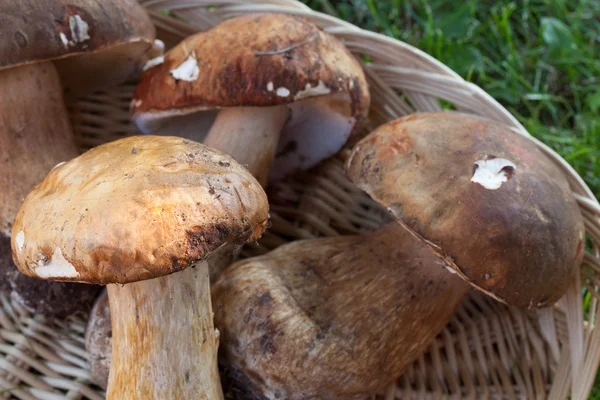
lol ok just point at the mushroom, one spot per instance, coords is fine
(143, 215)
(98, 340)
(46, 47)
(91, 43)
(331, 318)
(483, 197)
(286, 93)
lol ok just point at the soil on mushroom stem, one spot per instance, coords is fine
(6, 262)
(49, 298)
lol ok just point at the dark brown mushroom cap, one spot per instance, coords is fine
(135, 209)
(331, 318)
(485, 198)
(43, 30)
(257, 61)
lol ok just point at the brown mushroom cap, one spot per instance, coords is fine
(135, 209)
(98, 340)
(259, 61)
(88, 39)
(331, 318)
(482, 196)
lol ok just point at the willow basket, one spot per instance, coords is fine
(487, 351)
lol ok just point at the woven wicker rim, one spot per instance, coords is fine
(487, 350)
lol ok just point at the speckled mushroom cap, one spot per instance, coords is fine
(484, 197)
(135, 209)
(100, 33)
(256, 61)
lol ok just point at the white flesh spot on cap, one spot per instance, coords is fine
(153, 62)
(79, 29)
(491, 174)
(187, 70)
(283, 92)
(59, 164)
(64, 40)
(20, 240)
(270, 86)
(310, 91)
(57, 267)
(158, 47)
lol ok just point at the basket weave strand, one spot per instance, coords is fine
(487, 350)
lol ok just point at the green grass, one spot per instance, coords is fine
(539, 58)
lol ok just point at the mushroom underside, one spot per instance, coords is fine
(317, 129)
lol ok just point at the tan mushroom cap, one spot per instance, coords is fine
(136, 209)
(482, 196)
(257, 61)
(100, 33)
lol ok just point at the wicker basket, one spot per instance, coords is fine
(487, 351)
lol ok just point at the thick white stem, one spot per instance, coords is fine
(164, 341)
(250, 135)
(35, 133)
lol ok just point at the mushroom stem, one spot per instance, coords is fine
(35, 133)
(164, 341)
(250, 135)
(332, 318)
